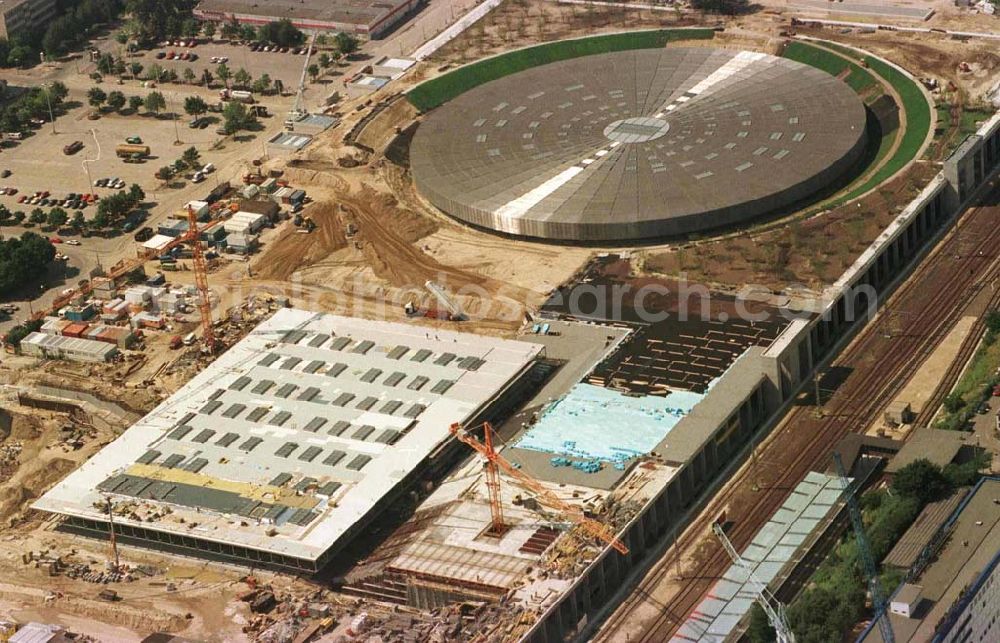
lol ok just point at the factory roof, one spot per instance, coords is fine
(297, 432)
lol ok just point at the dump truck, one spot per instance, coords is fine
(237, 95)
(126, 150)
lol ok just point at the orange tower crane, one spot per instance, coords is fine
(495, 462)
(193, 235)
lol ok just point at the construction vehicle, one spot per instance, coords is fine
(260, 111)
(237, 95)
(455, 312)
(774, 609)
(126, 150)
(496, 462)
(297, 113)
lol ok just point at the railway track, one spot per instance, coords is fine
(932, 300)
(955, 369)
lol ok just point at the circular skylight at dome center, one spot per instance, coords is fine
(636, 130)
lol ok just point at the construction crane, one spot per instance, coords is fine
(296, 112)
(496, 462)
(191, 236)
(774, 609)
(454, 310)
(879, 602)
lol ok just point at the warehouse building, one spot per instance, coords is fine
(364, 18)
(70, 348)
(294, 440)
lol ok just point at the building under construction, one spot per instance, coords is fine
(287, 446)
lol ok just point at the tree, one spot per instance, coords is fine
(209, 30)
(165, 172)
(77, 222)
(135, 69)
(921, 479)
(57, 217)
(727, 7)
(136, 193)
(346, 43)
(135, 103)
(58, 92)
(760, 630)
(106, 64)
(262, 85)
(18, 216)
(953, 403)
(247, 32)
(325, 60)
(231, 30)
(313, 71)
(189, 75)
(155, 102)
(236, 117)
(191, 158)
(206, 77)
(116, 100)
(195, 105)
(155, 72)
(96, 97)
(282, 33)
(242, 78)
(222, 71)
(37, 216)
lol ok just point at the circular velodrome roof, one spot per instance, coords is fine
(638, 144)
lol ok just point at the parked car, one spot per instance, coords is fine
(160, 55)
(5, 174)
(73, 242)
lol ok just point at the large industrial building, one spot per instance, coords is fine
(365, 18)
(287, 446)
(639, 144)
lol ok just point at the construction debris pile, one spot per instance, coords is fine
(57, 565)
(10, 458)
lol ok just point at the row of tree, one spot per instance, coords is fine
(154, 102)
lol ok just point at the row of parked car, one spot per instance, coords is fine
(261, 46)
(72, 201)
(173, 55)
(111, 183)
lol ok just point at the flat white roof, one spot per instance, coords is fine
(353, 405)
(157, 241)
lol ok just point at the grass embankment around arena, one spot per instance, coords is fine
(862, 71)
(440, 90)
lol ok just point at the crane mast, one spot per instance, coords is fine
(879, 602)
(589, 526)
(201, 282)
(774, 609)
(297, 112)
